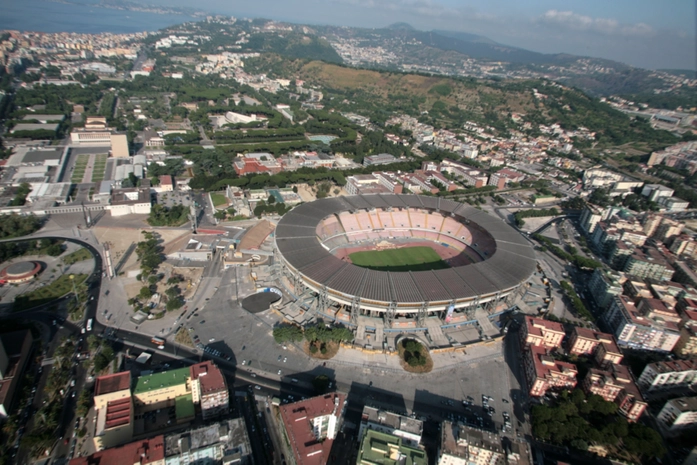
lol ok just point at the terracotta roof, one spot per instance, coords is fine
(166, 179)
(210, 377)
(118, 412)
(112, 383)
(136, 453)
(297, 419)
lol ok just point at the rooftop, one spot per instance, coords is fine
(209, 376)
(386, 449)
(136, 453)
(297, 420)
(394, 420)
(112, 383)
(162, 380)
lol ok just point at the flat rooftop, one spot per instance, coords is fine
(162, 380)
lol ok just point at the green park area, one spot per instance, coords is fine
(404, 259)
(80, 168)
(43, 295)
(79, 255)
(218, 199)
(99, 167)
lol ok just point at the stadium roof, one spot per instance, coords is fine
(511, 263)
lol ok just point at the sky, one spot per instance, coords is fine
(645, 33)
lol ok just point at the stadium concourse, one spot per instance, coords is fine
(488, 262)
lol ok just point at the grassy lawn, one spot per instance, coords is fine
(218, 199)
(405, 259)
(56, 289)
(77, 256)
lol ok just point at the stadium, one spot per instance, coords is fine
(480, 264)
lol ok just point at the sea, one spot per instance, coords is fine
(86, 17)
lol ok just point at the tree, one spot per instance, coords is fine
(145, 293)
(174, 304)
(287, 333)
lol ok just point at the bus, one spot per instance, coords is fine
(159, 342)
(89, 325)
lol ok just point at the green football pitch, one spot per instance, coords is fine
(405, 259)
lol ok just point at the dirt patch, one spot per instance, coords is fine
(119, 239)
(332, 348)
(183, 337)
(305, 192)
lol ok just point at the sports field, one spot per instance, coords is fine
(404, 259)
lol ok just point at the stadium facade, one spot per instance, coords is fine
(308, 238)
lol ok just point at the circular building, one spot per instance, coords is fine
(20, 272)
(486, 260)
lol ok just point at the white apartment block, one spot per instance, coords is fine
(678, 415)
(667, 376)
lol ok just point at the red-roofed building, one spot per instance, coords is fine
(145, 452)
(208, 387)
(585, 341)
(166, 183)
(113, 407)
(539, 332)
(311, 426)
(112, 383)
(247, 165)
(616, 384)
(543, 372)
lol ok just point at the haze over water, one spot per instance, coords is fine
(45, 16)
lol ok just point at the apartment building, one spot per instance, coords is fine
(144, 452)
(543, 372)
(678, 415)
(670, 376)
(408, 429)
(311, 426)
(209, 390)
(615, 383)
(378, 447)
(590, 217)
(648, 264)
(462, 445)
(541, 333)
(585, 341)
(640, 331)
(604, 285)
